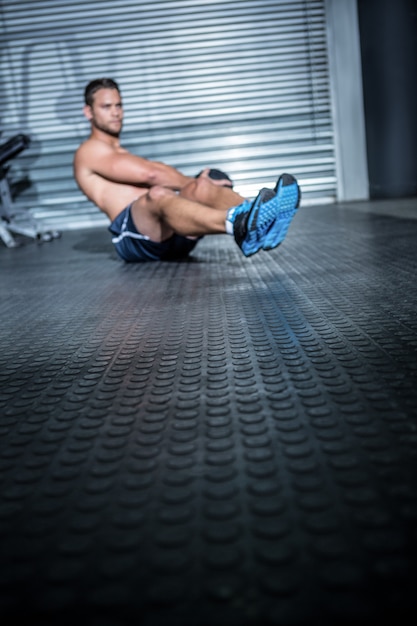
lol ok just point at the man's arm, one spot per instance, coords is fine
(124, 167)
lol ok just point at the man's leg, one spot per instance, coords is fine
(262, 223)
(160, 213)
(211, 192)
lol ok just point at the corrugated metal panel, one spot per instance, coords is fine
(240, 85)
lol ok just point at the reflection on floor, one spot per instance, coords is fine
(221, 441)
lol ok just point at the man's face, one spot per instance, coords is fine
(106, 114)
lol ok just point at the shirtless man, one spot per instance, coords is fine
(158, 213)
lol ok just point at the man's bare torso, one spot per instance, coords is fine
(110, 196)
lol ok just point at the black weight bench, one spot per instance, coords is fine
(12, 220)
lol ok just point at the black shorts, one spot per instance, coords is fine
(133, 247)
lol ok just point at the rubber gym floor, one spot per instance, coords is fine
(221, 441)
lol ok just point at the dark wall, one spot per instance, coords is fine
(388, 35)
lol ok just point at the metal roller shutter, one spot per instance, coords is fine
(241, 85)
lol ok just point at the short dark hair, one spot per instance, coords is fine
(95, 85)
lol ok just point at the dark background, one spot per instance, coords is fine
(388, 35)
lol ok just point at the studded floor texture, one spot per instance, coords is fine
(223, 441)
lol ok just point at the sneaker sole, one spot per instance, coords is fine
(288, 195)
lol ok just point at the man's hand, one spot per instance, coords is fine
(216, 177)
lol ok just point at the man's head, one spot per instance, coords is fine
(103, 106)
(96, 84)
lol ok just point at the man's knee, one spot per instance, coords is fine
(158, 194)
(196, 190)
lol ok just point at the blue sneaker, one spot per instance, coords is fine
(288, 197)
(252, 222)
